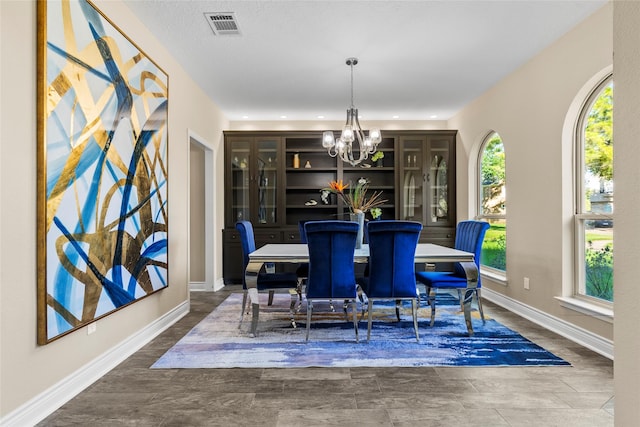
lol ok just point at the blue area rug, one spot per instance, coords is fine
(218, 342)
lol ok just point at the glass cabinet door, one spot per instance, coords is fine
(240, 158)
(411, 179)
(438, 183)
(266, 181)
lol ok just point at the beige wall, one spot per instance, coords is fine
(626, 128)
(196, 215)
(528, 110)
(27, 369)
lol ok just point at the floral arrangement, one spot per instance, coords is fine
(376, 213)
(356, 197)
(378, 155)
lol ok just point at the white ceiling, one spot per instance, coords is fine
(417, 59)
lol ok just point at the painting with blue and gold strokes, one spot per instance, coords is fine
(102, 169)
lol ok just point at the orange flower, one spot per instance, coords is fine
(356, 198)
(337, 186)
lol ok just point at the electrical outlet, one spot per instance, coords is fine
(91, 328)
(526, 283)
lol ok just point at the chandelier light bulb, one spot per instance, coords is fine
(328, 140)
(375, 135)
(347, 134)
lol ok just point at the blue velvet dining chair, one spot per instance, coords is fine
(331, 276)
(392, 248)
(469, 238)
(267, 282)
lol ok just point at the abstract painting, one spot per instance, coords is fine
(102, 169)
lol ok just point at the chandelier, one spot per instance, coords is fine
(352, 131)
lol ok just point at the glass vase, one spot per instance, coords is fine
(359, 218)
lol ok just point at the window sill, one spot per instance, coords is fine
(585, 307)
(495, 277)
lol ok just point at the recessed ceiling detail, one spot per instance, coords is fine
(223, 23)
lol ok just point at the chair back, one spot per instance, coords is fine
(303, 233)
(469, 238)
(331, 248)
(392, 249)
(247, 241)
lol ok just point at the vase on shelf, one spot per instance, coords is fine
(359, 218)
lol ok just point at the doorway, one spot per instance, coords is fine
(201, 215)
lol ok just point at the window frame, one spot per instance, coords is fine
(494, 273)
(581, 216)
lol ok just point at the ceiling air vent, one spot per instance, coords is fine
(223, 23)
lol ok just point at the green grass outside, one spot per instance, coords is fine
(494, 247)
(592, 237)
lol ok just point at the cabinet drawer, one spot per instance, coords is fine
(263, 237)
(230, 235)
(291, 236)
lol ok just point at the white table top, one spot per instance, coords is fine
(299, 252)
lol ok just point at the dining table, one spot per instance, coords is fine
(299, 253)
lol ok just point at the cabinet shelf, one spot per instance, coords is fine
(371, 169)
(318, 206)
(298, 188)
(311, 169)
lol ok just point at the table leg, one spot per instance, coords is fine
(251, 281)
(471, 271)
(468, 296)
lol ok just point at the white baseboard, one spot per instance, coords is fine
(219, 284)
(202, 286)
(561, 327)
(197, 286)
(44, 404)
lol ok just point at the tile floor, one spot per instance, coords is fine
(133, 395)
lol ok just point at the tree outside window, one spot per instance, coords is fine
(492, 200)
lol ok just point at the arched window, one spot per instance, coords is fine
(594, 196)
(492, 203)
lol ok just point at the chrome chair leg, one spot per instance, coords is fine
(270, 302)
(431, 299)
(480, 306)
(309, 310)
(414, 310)
(292, 307)
(354, 309)
(370, 310)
